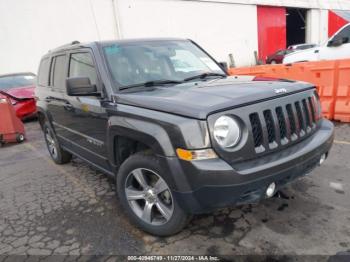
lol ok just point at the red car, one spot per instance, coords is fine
(19, 88)
(277, 57)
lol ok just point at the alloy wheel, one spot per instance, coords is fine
(51, 144)
(149, 196)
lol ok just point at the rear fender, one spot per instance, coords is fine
(46, 115)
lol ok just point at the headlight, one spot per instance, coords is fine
(227, 132)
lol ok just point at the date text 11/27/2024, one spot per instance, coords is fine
(173, 258)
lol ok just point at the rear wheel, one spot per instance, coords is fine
(57, 154)
(147, 197)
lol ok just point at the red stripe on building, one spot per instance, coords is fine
(335, 22)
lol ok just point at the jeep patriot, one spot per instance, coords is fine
(178, 134)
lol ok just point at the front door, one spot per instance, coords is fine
(337, 52)
(85, 118)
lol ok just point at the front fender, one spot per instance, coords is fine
(162, 132)
(155, 137)
(150, 134)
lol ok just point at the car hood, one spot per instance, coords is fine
(199, 99)
(22, 92)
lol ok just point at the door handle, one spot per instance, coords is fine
(316, 51)
(48, 99)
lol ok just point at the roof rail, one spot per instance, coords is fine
(75, 42)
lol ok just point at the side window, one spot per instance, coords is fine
(345, 33)
(43, 74)
(82, 65)
(59, 74)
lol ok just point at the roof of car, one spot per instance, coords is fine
(77, 44)
(135, 40)
(17, 74)
(300, 45)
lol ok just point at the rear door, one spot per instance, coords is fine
(55, 96)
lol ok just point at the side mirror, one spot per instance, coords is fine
(224, 66)
(81, 86)
(338, 41)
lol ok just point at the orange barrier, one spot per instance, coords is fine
(342, 103)
(332, 79)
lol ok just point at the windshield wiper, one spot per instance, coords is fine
(153, 83)
(204, 75)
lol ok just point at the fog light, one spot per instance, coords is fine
(323, 158)
(270, 191)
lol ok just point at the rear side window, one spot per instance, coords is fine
(59, 72)
(44, 68)
(82, 65)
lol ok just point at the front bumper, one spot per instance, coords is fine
(202, 186)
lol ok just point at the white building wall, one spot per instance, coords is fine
(29, 28)
(317, 26)
(315, 4)
(219, 28)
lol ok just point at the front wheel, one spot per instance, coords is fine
(147, 197)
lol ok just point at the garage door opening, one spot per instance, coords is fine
(296, 26)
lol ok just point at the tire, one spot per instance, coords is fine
(58, 155)
(20, 138)
(273, 62)
(172, 220)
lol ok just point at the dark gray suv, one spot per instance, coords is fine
(178, 134)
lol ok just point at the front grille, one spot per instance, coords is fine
(293, 127)
(312, 109)
(307, 113)
(256, 128)
(301, 119)
(270, 125)
(283, 124)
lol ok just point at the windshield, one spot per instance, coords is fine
(12, 81)
(141, 62)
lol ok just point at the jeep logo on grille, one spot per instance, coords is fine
(280, 90)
